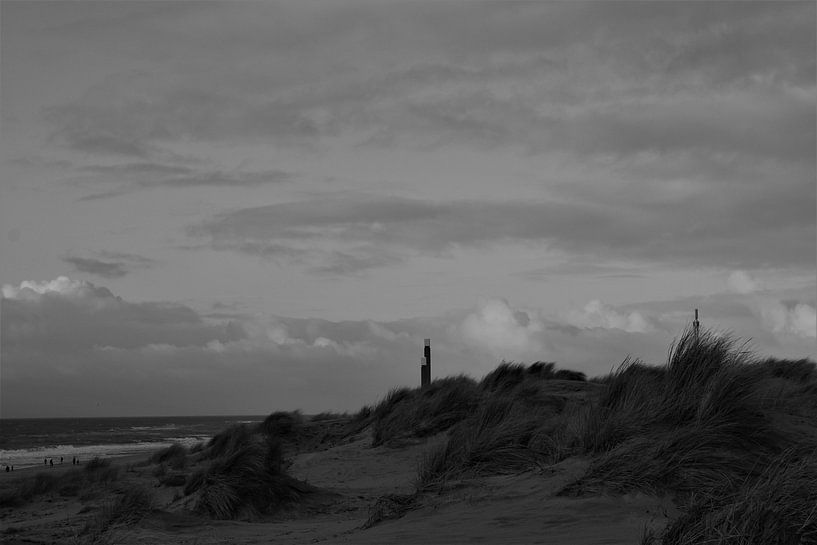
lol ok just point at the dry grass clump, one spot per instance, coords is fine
(802, 371)
(732, 437)
(512, 429)
(174, 456)
(282, 424)
(134, 504)
(422, 412)
(245, 482)
(497, 438)
(228, 441)
(722, 431)
(390, 506)
(700, 423)
(777, 508)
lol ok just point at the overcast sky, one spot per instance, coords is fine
(241, 207)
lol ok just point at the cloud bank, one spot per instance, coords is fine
(68, 345)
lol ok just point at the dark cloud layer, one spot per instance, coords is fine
(113, 264)
(699, 233)
(588, 77)
(97, 267)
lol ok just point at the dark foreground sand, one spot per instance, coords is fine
(503, 509)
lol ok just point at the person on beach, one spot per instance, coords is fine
(60, 459)
(52, 462)
(7, 469)
(45, 461)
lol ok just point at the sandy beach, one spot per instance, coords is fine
(352, 477)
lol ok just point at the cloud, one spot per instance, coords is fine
(97, 267)
(148, 175)
(62, 285)
(146, 167)
(506, 332)
(117, 265)
(797, 319)
(76, 315)
(69, 344)
(377, 231)
(525, 77)
(596, 314)
(742, 282)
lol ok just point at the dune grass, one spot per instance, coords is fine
(132, 505)
(703, 422)
(730, 436)
(408, 413)
(421, 412)
(777, 508)
(68, 483)
(174, 456)
(245, 482)
(716, 428)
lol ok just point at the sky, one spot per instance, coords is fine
(242, 207)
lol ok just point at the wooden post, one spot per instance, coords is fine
(425, 366)
(696, 325)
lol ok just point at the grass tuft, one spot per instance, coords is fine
(423, 412)
(175, 456)
(245, 482)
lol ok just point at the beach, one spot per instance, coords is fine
(352, 477)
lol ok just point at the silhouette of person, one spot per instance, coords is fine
(8, 469)
(45, 461)
(60, 459)
(52, 462)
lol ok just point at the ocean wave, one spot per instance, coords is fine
(164, 427)
(30, 457)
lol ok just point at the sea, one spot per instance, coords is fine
(29, 442)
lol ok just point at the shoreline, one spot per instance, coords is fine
(60, 469)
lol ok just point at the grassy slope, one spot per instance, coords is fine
(732, 438)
